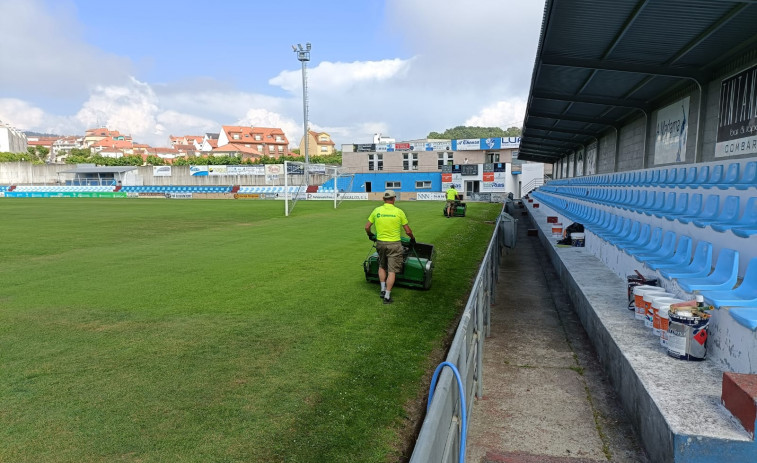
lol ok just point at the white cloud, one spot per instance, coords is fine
(131, 110)
(504, 114)
(20, 114)
(43, 53)
(328, 77)
(265, 118)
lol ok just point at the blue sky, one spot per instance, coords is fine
(154, 69)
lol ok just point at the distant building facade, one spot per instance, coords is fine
(473, 166)
(12, 140)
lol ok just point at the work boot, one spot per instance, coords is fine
(388, 300)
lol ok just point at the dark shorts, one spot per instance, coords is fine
(390, 255)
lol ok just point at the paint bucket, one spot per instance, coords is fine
(556, 229)
(637, 280)
(578, 239)
(647, 298)
(687, 334)
(638, 299)
(658, 302)
(551, 219)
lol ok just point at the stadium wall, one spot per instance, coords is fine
(26, 173)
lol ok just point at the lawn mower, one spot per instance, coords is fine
(417, 265)
(458, 207)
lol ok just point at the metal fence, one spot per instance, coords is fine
(440, 436)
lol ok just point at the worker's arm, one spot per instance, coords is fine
(409, 232)
(368, 231)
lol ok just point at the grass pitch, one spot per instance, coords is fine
(198, 331)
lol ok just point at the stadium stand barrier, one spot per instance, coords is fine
(440, 437)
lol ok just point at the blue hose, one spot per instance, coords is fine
(463, 411)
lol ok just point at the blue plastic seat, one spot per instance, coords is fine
(682, 200)
(703, 174)
(716, 176)
(747, 220)
(654, 179)
(667, 205)
(730, 178)
(729, 213)
(700, 265)
(692, 208)
(744, 232)
(622, 227)
(659, 203)
(709, 210)
(653, 198)
(676, 176)
(746, 316)
(652, 243)
(666, 257)
(689, 179)
(631, 236)
(749, 177)
(725, 275)
(638, 238)
(612, 225)
(745, 295)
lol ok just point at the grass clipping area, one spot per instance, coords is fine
(182, 331)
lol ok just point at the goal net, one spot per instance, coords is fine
(341, 181)
(294, 184)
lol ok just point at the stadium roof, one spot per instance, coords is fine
(97, 170)
(600, 64)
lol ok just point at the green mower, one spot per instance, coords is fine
(417, 265)
(458, 207)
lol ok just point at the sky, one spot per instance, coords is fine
(152, 69)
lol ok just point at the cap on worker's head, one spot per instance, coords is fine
(389, 194)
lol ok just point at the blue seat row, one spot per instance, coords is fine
(176, 189)
(658, 251)
(681, 206)
(715, 176)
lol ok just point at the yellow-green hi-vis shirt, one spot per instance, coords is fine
(451, 194)
(388, 220)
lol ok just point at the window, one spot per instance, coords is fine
(376, 161)
(492, 157)
(324, 149)
(423, 185)
(281, 149)
(323, 138)
(235, 136)
(257, 137)
(444, 160)
(271, 148)
(278, 138)
(260, 148)
(410, 161)
(393, 185)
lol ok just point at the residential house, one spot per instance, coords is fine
(263, 140)
(319, 144)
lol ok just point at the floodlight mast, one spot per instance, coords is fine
(303, 54)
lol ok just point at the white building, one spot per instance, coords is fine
(11, 139)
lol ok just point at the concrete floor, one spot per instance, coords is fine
(546, 397)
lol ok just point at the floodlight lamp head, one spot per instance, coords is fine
(294, 48)
(299, 45)
(307, 45)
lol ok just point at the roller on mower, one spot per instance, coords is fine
(458, 207)
(417, 265)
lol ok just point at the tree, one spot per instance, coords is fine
(461, 132)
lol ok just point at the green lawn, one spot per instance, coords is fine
(172, 331)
